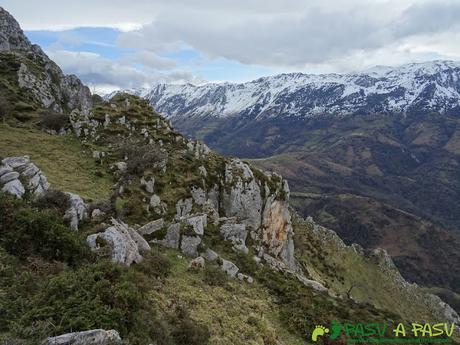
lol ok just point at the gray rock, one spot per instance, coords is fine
(198, 195)
(244, 277)
(121, 166)
(142, 244)
(123, 247)
(203, 171)
(242, 197)
(230, 268)
(15, 162)
(210, 255)
(97, 213)
(77, 211)
(9, 176)
(151, 227)
(183, 208)
(15, 188)
(189, 245)
(155, 201)
(198, 223)
(172, 238)
(148, 184)
(92, 337)
(5, 169)
(234, 232)
(311, 283)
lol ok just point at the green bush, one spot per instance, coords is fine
(27, 231)
(54, 199)
(54, 121)
(155, 265)
(214, 276)
(186, 331)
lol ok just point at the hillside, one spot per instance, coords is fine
(114, 228)
(373, 155)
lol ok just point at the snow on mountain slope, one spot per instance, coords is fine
(430, 86)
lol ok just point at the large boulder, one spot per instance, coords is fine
(92, 337)
(125, 244)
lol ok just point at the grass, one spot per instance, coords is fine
(237, 313)
(61, 158)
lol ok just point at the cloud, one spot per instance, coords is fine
(313, 34)
(97, 71)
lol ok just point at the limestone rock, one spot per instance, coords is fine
(244, 277)
(172, 238)
(77, 211)
(92, 337)
(234, 232)
(119, 238)
(183, 207)
(142, 244)
(198, 223)
(12, 168)
(148, 184)
(230, 268)
(199, 196)
(189, 245)
(15, 188)
(277, 233)
(151, 227)
(242, 196)
(311, 283)
(210, 255)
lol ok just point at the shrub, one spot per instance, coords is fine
(214, 276)
(141, 157)
(26, 231)
(155, 265)
(54, 199)
(54, 121)
(186, 331)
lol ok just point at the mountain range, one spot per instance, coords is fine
(373, 155)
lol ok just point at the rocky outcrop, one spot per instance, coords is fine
(92, 337)
(242, 197)
(19, 174)
(48, 83)
(125, 244)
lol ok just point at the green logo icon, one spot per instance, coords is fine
(319, 331)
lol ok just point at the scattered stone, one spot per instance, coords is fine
(230, 268)
(197, 263)
(151, 227)
(210, 255)
(121, 166)
(203, 171)
(172, 237)
(234, 232)
(155, 201)
(97, 213)
(183, 208)
(77, 211)
(148, 184)
(92, 337)
(198, 223)
(244, 277)
(198, 195)
(189, 245)
(311, 283)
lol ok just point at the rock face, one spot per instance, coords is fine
(242, 197)
(49, 85)
(126, 245)
(15, 169)
(92, 337)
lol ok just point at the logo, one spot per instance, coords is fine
(382, 333)
(319, 331)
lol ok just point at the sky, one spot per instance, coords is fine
(129, 44)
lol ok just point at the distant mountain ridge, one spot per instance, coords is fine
(430, 86)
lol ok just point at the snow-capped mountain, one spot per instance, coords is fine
(430, 86)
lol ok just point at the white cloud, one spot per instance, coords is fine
(100, 72)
